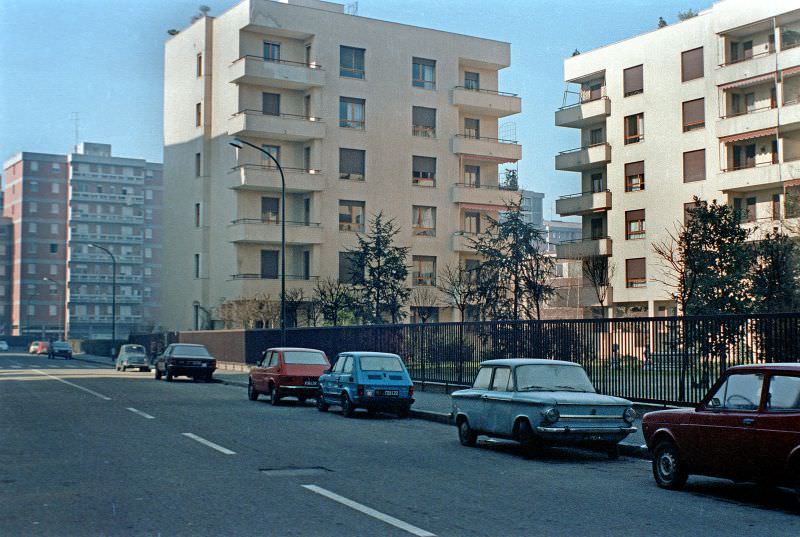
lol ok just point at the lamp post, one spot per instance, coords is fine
(61, 309)
(237, 143)
(113, 292)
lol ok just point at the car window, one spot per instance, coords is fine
(483, 378)
(380, 363)
(739, 392)
(198, 351)
(347, 367)
(784, 393)
(337, 367)
(553, 377)
(273, 359)
(304, 357)
(501, 378)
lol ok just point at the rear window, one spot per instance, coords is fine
(380, 363)
(187, 350)
(304, 358)
(133, 349)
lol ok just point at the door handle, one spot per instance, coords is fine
(484, 396)
(748, 421)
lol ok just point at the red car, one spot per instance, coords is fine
(287, 371)
(747, 428)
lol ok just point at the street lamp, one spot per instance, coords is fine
(237, 143)
(61, 307)
(113, 292)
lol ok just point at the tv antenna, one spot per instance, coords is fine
(352, 9)
(76, 119)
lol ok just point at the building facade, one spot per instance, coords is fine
(64, 210)
(360, 128)
(706, 107)
(6, 248)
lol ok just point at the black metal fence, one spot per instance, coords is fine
(665, 360)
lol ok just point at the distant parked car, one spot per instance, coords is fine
(540, 403)
(372, 380)
(38, 347)
(3, 346)
(285, 372)
(747, 428)
(132, 356)
(185, 359)
(59, 348)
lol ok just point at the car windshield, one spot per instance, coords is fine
(380, 363)
(553, 377)
(133, 349)
(304, 358)
(61, 345)
(191, 350)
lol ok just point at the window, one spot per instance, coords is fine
(55, 188)
(52, 311)
(196, 265)
(351, 113)
(472, 128)
(423, 220)
(307, 158)
(197, 215)
(200, 64)
(424, 314)
(423, 73)
(472, 222)
(423, 270)
(269, 264)
(274, 150)
(54, 208)
(596, 136)
(272, 51)
(483, 379)
(694, 166)
(746, 208)
(776, 206)
(351, 215)
(33, 207)
(634, 128)
(472, 81)
(739, 392)
(472, 175)
(692, 64)
(197, 164)
(423, 171)
(270, 210)
(306, 265)
(634, 224)
(307, 56)
(53, 248)
(502, 380)
(271, 104)
(351, 62)
(198, 114)
(598, 184)
(744, 156)
(352, 164)
(348, 270)
(53, 270)
(32, 228)
(148, 233)
(34, 184)
(423, 121)
(635, 272)
(632, 79)
(784, 394)
(694, 115)
(634, 176)
(34, 166)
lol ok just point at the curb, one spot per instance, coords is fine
(429, 415)
(93, 361)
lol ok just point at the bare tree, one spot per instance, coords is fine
(599, 273)
(334, 298)
(676, 274)
(458, 285)
(294, 299)
(424, 300)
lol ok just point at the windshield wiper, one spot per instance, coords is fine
(527, 388)
(570, 388)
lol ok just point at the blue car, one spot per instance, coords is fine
(373, 380)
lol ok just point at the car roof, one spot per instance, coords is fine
(369, 353)
(780, 366)
(188, 345)
(283, 349)
(513, 362)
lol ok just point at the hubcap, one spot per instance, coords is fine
(666, 466)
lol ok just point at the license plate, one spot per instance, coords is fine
(311, 383)
(389, 392)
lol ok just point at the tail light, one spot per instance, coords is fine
(411, 391)
(214, 364)
(360, 390)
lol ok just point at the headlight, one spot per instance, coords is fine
(551, 415)
(629, 415)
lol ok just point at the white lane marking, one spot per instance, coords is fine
(208, 443)
(370, 512)
(16, 367)
(87, 390)
(142, 414)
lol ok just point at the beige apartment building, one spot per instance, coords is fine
(364, 115)
(708, 107)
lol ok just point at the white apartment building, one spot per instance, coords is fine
(708, 107)
(364, 115)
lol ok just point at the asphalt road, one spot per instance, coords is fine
(88, 451)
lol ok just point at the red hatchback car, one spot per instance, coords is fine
(286, 371)
(747, 428)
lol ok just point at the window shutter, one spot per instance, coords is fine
(425, 164)
(635, 269)
(351, 160)
(633, 80)
(630, 216)
(692, 64)
(271, 103)
(423, 117)
(693, 113)
(634, 168)
(694, 166)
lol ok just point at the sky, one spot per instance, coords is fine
(103, 60)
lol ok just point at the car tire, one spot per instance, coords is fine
(209, 377)
(404, 413)
(274, 397)
(613, 451)
(168, 375)
(530, 444)
(301, 400)
(347, 406)
(252, 393)
(158, 374)
(466, 434)
(322, 405)
(669, 470)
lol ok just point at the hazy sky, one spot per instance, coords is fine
(104, 60)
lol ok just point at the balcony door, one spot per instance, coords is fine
(597, 228)
(269, 264)
(269, 210)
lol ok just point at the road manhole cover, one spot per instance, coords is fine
(295, 471)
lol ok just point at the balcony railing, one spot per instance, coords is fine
(273, 222)
(771, 50)
(491, 92)
(284, 62)
(423, 131)
(469, 136)
(258, 276)
(283, 115)
(748, 165)
(772, 106)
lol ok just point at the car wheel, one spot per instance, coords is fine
(347, 406)
(322, 405)
(274, 398)
(209, 377)
(158, 374)
(252, 393)
(466, 434)
(613, 451)
(404, 413)
(530, 444)
(168, 375)
(302, 400)
(669, 470)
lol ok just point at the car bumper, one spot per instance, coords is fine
(62, 354)
(299, 391)
(568, 434)
(384, 403)
(190, 370)
(128, 364)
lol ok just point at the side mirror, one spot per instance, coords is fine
(326, 371)
(714, 404)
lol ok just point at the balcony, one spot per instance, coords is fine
(461, 241)
(584, 158)
(256, 231)
(486, 102)
(584, 203)
(754, 120)
(103, 258)
(276, 73)
(107, 218)
(99, 196)
(483, 194)
(583, 248)
(487, 149)
(584, 114)
(289, 127)
(101, 237)
(250, 284)
(263, 178)
(105, 298)
(105, 278)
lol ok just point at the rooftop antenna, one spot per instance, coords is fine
(352, 9)
(75, 118)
